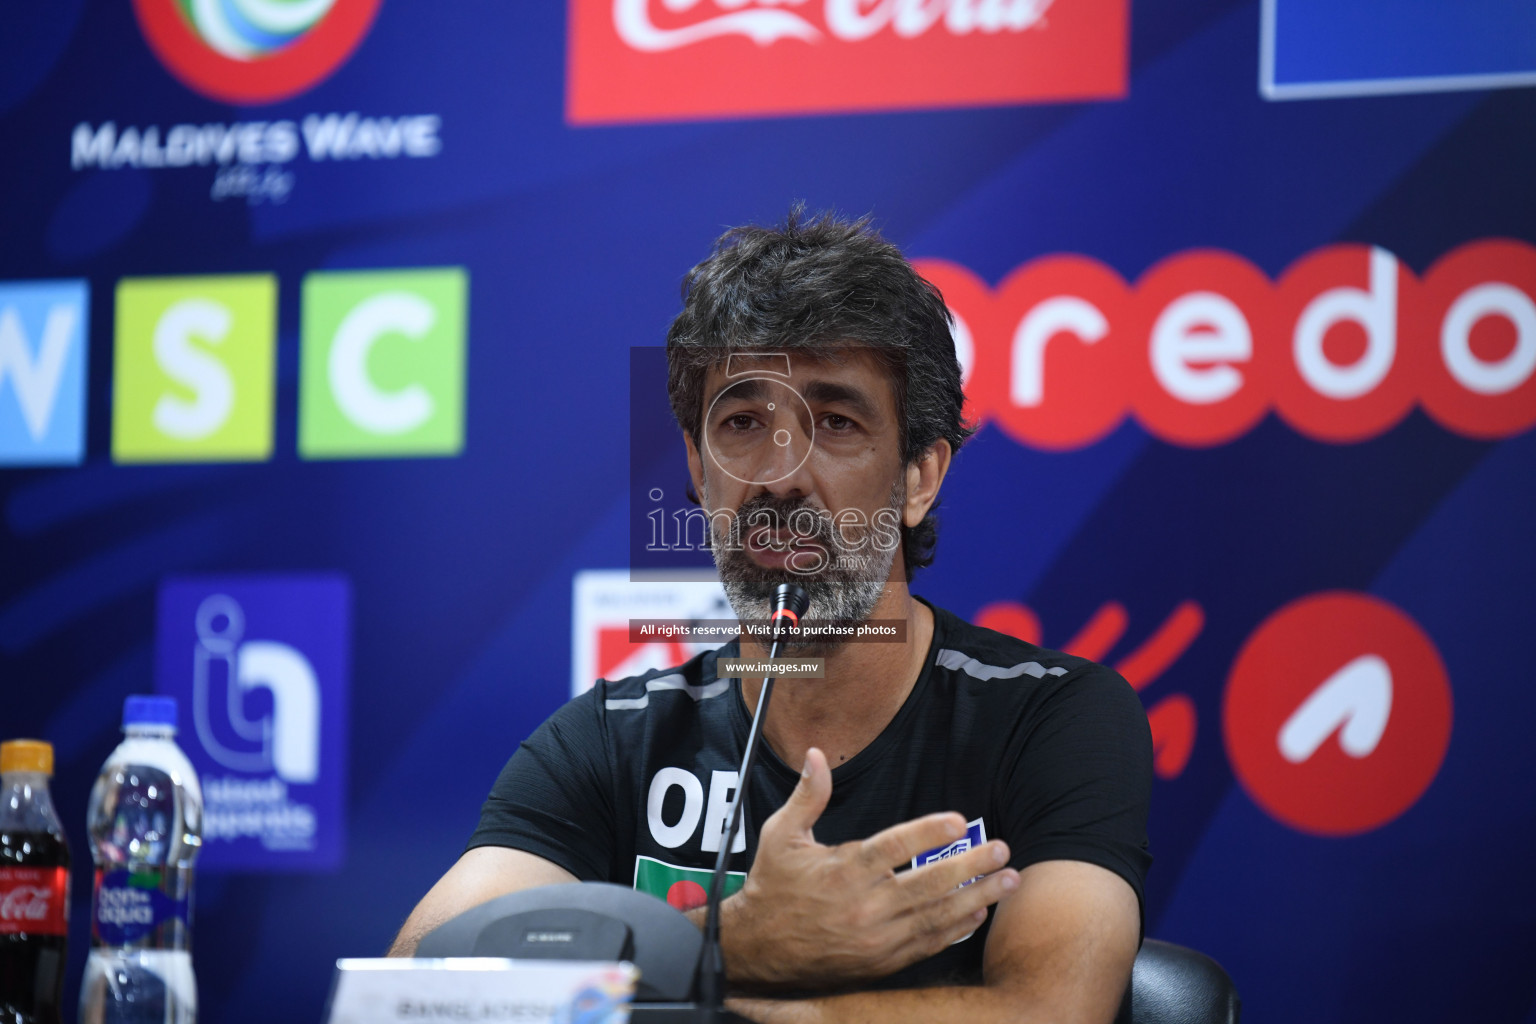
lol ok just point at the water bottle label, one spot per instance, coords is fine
(130, 906)
(34, 901)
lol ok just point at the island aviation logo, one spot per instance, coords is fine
(253, 51)
(648, 60)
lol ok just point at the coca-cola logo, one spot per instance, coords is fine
(635, 60)
(25, 903)
(33, 900)
(655, 25)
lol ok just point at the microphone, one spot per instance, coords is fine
(789, 603)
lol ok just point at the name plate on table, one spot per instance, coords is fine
(481, 990)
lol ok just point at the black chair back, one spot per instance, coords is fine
(1175, 985)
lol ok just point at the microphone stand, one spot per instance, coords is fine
(712, 958)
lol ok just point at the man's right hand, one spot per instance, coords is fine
(814, 916)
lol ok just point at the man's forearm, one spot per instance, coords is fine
(963, 1005)
(739, 966)
(729, 930)
(762, 956)
(758, 967)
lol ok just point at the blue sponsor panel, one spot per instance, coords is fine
(262, 664)
(1318, 48)
(43, 331)
(1271, 570)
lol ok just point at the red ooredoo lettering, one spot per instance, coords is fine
(1204, 345)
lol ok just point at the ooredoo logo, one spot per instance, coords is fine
(253, 51)
(640, 60)
(1204, 345)
(1337, 713)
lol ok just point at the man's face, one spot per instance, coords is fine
(799, 467)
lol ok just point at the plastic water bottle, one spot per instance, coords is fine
(145, 824)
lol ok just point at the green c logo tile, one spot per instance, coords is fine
(383, 363)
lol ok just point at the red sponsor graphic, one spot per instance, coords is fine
(1204, 345)
(34, 900)
(619, 656)
(648, 60)
(1173, 719)
(605, 608)
(1337, 713)
(228, 55)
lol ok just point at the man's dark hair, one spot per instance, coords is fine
(820, 284)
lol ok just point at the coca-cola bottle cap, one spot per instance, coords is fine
(142, 710)
(26, 756)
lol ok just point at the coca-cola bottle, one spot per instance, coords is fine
(34, 887)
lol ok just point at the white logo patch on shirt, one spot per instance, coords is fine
(975, 835)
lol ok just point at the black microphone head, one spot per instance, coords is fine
(791, 596)
(789, 603)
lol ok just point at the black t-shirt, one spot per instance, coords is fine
(631, 781)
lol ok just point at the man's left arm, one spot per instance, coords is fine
(1060, 950)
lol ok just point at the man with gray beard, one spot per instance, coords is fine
(951, 827)
(843, 573)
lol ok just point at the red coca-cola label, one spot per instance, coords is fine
(34, 900)
(648, 60)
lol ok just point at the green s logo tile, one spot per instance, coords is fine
(383, 363)
(193, 367)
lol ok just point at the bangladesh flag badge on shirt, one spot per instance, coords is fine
(683, 888)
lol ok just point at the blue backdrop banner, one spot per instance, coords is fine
(330, 403)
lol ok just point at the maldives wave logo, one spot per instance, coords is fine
(254, 51)
(252, 29)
